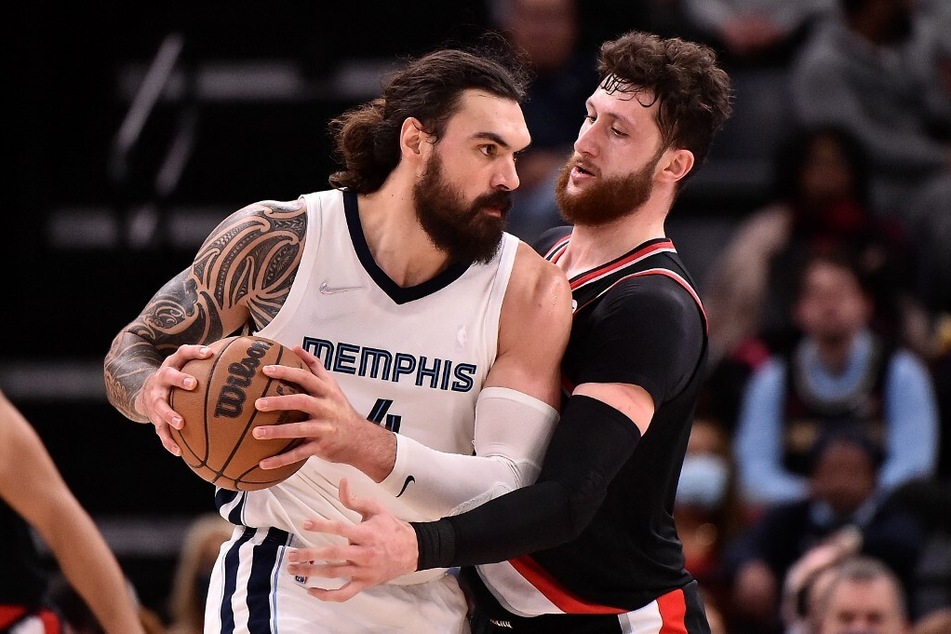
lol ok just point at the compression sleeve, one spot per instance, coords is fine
(593, 443)
(512, 431)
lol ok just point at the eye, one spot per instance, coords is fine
(490, 149)
(618, 133)
(590, 118)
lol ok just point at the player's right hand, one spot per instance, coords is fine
(379, 549)
(152, 401)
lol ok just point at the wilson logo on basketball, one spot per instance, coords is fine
(233, 393)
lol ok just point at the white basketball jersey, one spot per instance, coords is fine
(411, 359)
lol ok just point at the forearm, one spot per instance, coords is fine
(591, 445)
(177, 314)
(758, 441)
(440, 483)
(92, 570)
(521, 522)
(130, 361)
(912, 421)
(512, 431)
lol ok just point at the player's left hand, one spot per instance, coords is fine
(379, 549)
(334, 430)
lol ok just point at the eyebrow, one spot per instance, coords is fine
(491, 136)
(495, 138)
(610, 114)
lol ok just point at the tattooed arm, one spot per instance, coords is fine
(240, 278)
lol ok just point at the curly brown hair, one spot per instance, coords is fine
(693, 93)
(429, 88)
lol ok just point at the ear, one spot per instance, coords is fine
(413, 145)
(677, 164)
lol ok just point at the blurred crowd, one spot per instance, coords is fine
(821, 450)
(817, 484)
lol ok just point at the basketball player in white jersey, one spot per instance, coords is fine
(443, 331)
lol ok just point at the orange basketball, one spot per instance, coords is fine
(216, 440)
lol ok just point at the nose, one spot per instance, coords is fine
(506, 178)
(585, 143)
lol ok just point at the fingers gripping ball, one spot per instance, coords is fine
(216, 440)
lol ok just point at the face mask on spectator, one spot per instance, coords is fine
(703, 481)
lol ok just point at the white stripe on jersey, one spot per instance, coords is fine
(250, 592)
(515, 592)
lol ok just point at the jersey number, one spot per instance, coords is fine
(379, 415)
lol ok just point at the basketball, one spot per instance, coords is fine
(216, 440)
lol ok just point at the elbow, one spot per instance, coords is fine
(579, 508)
(524, 473)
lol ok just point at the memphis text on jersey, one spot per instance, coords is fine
(398, 367)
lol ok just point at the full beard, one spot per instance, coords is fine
(464, 231)
(607, 199)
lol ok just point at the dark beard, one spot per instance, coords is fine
(608, 200)
(463, 231)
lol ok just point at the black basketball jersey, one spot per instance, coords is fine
(629, 554)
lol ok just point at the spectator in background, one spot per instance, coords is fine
(548, 32)
(808, 578)
(840, 375)
(193, 572)
(705, 508)
(755, 32)
(863, 596)
(819, 201)
(843, 497)
(33, 494)
(881, 71)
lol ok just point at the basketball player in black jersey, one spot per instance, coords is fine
(603, 554)
(35, 497)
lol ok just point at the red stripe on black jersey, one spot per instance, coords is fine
(645, 251)
(555, 250)
(673, 610)
(592, 284)
(554, 592)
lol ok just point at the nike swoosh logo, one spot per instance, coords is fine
(326, 289)
(406, 484)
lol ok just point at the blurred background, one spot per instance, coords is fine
(137, 127)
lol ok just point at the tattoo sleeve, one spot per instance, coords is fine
(239, 279)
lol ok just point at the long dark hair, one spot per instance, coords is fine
(796, 150)
(428, 88)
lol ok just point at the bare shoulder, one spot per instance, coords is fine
(535, 272)
(535, 327)
(247, 264)
(538, 289)
(287, 217)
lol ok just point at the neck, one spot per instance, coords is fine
(834, 354)
(399, 244)
(593, 245)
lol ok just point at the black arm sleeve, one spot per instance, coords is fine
(593, 442)
(646, 331)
